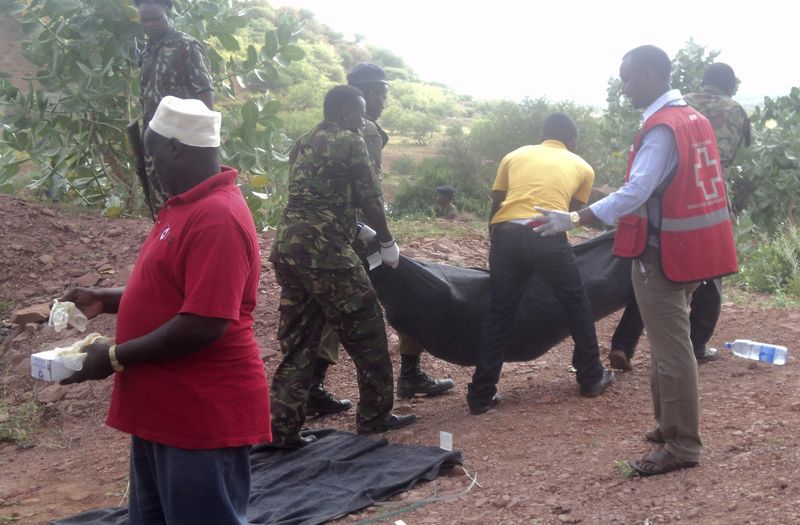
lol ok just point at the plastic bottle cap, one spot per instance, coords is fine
(728, 345)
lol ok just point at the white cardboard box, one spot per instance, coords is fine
(49, 366)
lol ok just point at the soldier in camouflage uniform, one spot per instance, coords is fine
(729, 119)
(732, 129)
(371, 80)
(172, 63)
(322, 278)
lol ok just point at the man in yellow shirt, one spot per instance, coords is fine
(547, 175)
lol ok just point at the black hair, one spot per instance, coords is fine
(561, 127)
(339, 99)
(652, 58)
(720, 75)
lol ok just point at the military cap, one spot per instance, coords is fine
(166, 4)
(447, 190)
(367, 73)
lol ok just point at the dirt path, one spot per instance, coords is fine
(545, 455)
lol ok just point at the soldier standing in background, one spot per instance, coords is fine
(445, 209)
(172, 63)
(323, 280)
(732, 130)
(371, 80)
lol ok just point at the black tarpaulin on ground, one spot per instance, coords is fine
(445, 307)
(339, 474)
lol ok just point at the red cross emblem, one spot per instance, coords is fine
(707, 173)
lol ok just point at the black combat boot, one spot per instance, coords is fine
(320, 402)
(413, 381)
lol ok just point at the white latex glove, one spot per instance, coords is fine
(365, 233)
(390, 254)
(555, 222)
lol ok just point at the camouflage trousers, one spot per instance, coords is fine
(346, 300)
(329, 345)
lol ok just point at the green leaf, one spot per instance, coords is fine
(228, 41)
(271, 45)
(271, 108)
(86, 69)
(249, 114)
(236, 22)
(290, 53)
(252, 56)
(284, 34)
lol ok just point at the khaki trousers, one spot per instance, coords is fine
(664, 306)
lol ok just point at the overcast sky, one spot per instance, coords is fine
(568, 50)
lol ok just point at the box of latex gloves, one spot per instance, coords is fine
(60, 363)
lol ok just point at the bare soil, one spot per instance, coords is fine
(544, 456)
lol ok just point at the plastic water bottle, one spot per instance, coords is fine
(758, 351)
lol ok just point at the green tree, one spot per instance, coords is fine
(689, 65)
(767, 179)
(69, 121)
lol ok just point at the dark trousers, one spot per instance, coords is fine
(705, 308)
(179, 486)
(516, 254)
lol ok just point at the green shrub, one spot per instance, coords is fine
(768, 264)
(417, 195)
(403, 165)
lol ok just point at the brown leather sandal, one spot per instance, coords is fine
(659, 462)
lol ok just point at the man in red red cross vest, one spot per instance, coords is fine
(673, 221)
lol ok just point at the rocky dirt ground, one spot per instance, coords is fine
(544, 456)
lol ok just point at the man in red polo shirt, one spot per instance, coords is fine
(190, 385)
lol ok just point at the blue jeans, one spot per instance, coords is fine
(177, 486)
(516, 254)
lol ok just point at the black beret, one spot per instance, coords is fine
(166, 4)
(367, 73)
(449, 190)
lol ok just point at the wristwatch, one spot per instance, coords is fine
(575, 218)
(112, 356)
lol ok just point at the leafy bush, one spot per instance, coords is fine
(418, 126)
(418, 194)
(403, 165)
(768, 263)
(768, 183)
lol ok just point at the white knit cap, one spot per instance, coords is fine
(188, 120)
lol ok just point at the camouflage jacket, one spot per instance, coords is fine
(729, 119)
(330, 177)
(177, 66)
(376, 139)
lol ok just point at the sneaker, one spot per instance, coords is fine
(391, 422)
(423, 384)
(320, 402)
(596, 389)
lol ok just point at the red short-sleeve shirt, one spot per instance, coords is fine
(201, 257)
